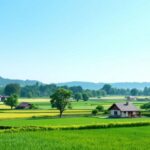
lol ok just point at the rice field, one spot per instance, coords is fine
(67, 121)
(14, 114)
(129, 138)
(135, 138)
(44, 103)
(45, 110)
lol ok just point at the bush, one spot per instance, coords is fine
(94, 112)
(100, 108)
(33, 106)
(146, 106)
(106, 112)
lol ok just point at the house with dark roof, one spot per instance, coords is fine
(24, 105)
(123, 110)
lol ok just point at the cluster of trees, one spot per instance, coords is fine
(78, 93)
(133, 92)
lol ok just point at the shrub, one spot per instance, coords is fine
(106, 112)
(146, 106)
(33, 106)
(100, 108)
(94, 112)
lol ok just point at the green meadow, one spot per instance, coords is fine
(69, 121)
(112, 138)
(135, 138)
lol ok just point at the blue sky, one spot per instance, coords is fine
(75, 40)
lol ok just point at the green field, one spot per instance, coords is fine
(45, 110)
(135, 138)
(114, 138)
(44, 103)
(66, 121)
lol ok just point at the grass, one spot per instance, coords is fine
(66, 121)
(44, 108)
(14, 114)
(44, 104)
(131, 138)
(135, 138)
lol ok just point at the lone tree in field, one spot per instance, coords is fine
(11, 101)
(60, 99)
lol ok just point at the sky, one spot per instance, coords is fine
(75, 40)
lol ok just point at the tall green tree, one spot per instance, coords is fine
(78, 96)
(60, 99)
(134, 92)
(76, 89)
(11, 89)
(85, 96)
(107, 88)
(12, 101)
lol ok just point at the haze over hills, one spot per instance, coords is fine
(5, 81)
(84, 85)
(96, 86)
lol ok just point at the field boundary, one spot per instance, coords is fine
(4, 129)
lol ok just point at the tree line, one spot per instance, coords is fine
(39, 90)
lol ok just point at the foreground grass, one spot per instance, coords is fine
(66, 121)
(135, 138)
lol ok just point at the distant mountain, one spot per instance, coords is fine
(4, 82)
(84, 85)
(96, 86)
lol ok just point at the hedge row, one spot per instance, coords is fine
(75, 127)
(146, 113)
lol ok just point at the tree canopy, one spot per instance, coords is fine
(60, 99)
(12, 101)
(78, 96)
(11, 89)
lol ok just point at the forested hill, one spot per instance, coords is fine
(4, 82)
(84, 85)
(96, 86)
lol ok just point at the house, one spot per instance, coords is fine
(123, 110)
(24, 105)
(3, 98)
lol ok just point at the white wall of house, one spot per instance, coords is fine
(119, 113)
(112, 112)
(124, 114)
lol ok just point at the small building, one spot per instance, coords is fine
(123, 110)
(24, 105)
(131, 98)
(3, 98)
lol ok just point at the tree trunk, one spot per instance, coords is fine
(60, 114)
(11, 107)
